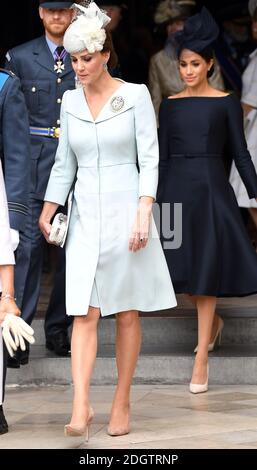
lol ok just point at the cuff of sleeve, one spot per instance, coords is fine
(148, 185)
(17, 220)
(7, 258)
(51, 196)
(15, 238)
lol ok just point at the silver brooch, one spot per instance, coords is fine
(117, 103)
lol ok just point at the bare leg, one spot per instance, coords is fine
(128, 343)
(215, 324)
(83, 355)
(206, 310)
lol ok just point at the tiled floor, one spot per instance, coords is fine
(163, 417)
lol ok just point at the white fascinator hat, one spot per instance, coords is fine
(87, 30)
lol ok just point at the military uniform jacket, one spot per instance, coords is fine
(14, 148)
(43, 88)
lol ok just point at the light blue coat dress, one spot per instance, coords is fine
(103, 154)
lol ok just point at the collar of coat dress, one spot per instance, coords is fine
(122, 99)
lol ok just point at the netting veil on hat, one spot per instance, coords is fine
(87, 28)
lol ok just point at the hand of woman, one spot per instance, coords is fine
(45, 228)
(8, 305)
(49, 209)
(140, 232)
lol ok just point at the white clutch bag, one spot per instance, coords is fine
(60, 225)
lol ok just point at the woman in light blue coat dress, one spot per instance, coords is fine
(115, 263)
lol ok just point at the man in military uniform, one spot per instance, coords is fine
(15, 158)
(45, 71)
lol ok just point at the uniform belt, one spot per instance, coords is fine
(53, 132)
(195, 155)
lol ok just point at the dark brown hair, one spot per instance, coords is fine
(109, 47)
(207, 54)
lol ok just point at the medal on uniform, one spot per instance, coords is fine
(59, 66)
(59, 55)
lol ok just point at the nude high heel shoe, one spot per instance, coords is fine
(118, 431)
(73, 431)
(200, 388)
(217, 337)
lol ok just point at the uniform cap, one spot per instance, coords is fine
(51, 4)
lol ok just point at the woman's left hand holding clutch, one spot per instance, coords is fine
(45, 228)
(46, 216)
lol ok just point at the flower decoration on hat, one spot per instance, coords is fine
(87, 28)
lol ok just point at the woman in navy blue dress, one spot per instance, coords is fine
(215, 258)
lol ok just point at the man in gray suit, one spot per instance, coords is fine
(45, 71)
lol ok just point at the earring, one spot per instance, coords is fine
(105, 66)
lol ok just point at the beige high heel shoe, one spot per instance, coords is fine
(217, 337)
(73, 431)
(118, 432)
(200, 388)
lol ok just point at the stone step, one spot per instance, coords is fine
(177, 327)
(158, 364)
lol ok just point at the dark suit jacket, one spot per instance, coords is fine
(15, 149)
(43, 88)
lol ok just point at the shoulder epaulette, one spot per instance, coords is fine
(4, 75)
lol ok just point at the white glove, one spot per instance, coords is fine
(15, 330)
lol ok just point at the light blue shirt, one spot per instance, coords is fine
(52, 46)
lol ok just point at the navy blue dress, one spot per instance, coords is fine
(216, 257)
